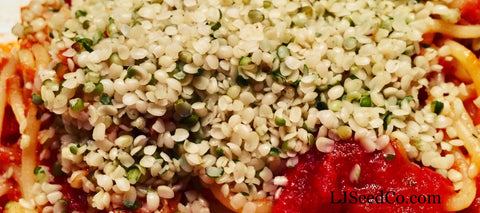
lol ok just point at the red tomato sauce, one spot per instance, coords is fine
(76, 198)
(10, 128)
(470, 11)
(10, 153)
(321, 183)
(12, 194)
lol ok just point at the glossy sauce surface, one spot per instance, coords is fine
(321, 183)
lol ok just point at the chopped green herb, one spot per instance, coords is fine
(437, 107)
(245, 60)
(350, 21)
(63, 202)
(214, 172)
(182, 108)
(407, 98)
(386, 120)
(80, 13)
(191, 120)
(76, 105)
(152, 80)
(353, 69)
(425, 45)
(308, 11)
(37, 99)
(199, 72)
(366, 101)
(287, 146)
(115, 59)
(245, 193)
(255, 16)
(105, 99)
(322, 105)
(216, 26)
(111, 28)
(283, 52)
(179, 74)
(278, 77)
(220, 151)
(274, 151)
(74, 149)
(387, 24)
(85, 42)
(390, 157)
(296, 83)
(53, 9)
(133, 174)
(311, 140)
(86, 24)
(131, 205)
(131, 72)
(241, 81)
(410, 50)
(267, 4)
(37, 169)
(97, 36)
(280, 121)
(305, 69)
(311, 130)
(40, 173)
(57, 169)
(98, 89)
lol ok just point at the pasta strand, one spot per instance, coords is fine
(454, 30)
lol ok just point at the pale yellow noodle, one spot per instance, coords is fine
(466, 195)
(7, 71)
(454, 30)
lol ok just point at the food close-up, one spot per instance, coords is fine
(252, 106)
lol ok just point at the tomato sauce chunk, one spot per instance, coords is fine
(322, 183)
(11, 130)
(470, 11)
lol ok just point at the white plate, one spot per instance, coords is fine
(9, 16)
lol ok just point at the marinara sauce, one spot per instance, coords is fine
(321, 183)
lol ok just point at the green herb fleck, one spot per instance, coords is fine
(133, 174)
(241, 81)
(322, 105)
(366, 101)
(131, 205)
(105, 99)
(386, 120)
(85, 42)
(390, 157)
(74, 149)
(37, 99)
(131, 72)
(76, 105)
(274, 151)
(53, 9)
(437, 107)
(216, 26)
(80, 13)
(280, 121)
